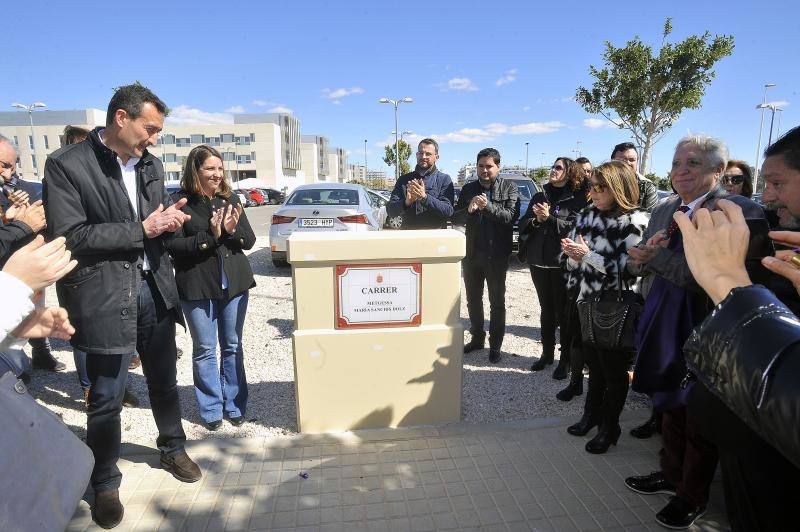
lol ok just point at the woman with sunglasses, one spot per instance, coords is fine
(595, 255)
(549, 218)
(738, 179)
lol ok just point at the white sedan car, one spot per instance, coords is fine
(322, 207)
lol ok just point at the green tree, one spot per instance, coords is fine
(646, 94)
(405, 154)
(661, 184)
(539, 175)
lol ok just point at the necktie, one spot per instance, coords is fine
(673, 225)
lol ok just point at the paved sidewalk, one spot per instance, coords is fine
(509, 476)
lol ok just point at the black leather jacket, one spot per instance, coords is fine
(747, 353)
(501, 211)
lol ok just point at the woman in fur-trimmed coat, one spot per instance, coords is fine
(593, 255)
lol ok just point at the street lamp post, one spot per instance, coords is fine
(760, 131)
(366, 172)
(772, 107)
(396, 103)
(541, 161)
(228, 162)
(526, 158)
(30, 109)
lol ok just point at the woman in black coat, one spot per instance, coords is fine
(213, 277)
(549, 218)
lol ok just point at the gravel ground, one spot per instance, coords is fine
(502, 392)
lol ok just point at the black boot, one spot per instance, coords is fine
(588, 422)
(561, 371)
(574, 388)
(548, 355)
(41, 358)
(648, 428)
(607, 435)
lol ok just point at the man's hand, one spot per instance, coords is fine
(38, 264)
(782, 263)
(715, 244)
(645, 252)
(44, 322)
(31, 215)
(478, 202)
(542, 211)
(18, 197)
(415, 190)
(164, 220)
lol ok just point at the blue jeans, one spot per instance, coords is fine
(220, 389)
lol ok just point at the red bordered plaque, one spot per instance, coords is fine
(378, 295)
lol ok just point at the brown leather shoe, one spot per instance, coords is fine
(107, 511)
(86, 397)
(135, 362)
(181, 466)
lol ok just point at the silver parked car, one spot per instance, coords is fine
(322, 207)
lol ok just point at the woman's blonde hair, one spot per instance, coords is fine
(621, 181)
(190, 181)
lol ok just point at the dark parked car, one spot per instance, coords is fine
(527, 189)
(272, 196)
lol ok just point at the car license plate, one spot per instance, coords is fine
(516, 237)
(315, 222)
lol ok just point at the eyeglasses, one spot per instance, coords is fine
(598, 187)
(556, 168)
(732, 179)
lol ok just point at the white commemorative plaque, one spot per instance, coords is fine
(378, 295)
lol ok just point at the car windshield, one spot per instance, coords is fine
(525, 187)
(324, 196)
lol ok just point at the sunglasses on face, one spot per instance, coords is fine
(557, 168)
(732, 179)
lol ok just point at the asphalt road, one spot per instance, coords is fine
(260, 218)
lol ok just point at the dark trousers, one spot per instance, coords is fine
(155, 342)
(493, 272)
(551, 289)
(688, 460)
(608, 384)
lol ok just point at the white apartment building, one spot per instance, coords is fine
(357, 172)
(314, 157)
(48, 132)
(267, 147)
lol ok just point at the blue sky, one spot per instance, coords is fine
(481, 73)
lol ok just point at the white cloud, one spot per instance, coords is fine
(236, 109)
(596, 123)
(526, 108)
(183, 114)
(508, 77)
(261, 103)
(491, 131)
(779, 103)
(337, 94)
(281, 109)
(461, 84)
(565, 99)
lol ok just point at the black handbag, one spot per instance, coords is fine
(44, 467)
(609, 318)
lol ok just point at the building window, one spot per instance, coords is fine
(46, 143)
(227, 156)
(19, 162)
(197, 139)
(182, 142)
(167, 139)
(252, 137)
(253, 155)
(242, 159)
(212, 141)
(30, 142)
(33, 160)
(227, 137)
(170, 158)
(16, 142)
(243, 141)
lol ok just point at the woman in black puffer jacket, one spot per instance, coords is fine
(549, 218)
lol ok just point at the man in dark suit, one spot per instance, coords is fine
(489, 207)
(106, 195)
(675, 304)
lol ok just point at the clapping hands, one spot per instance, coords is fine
(415, 190)
(478, 203)
(575, 250)
(225, 218)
